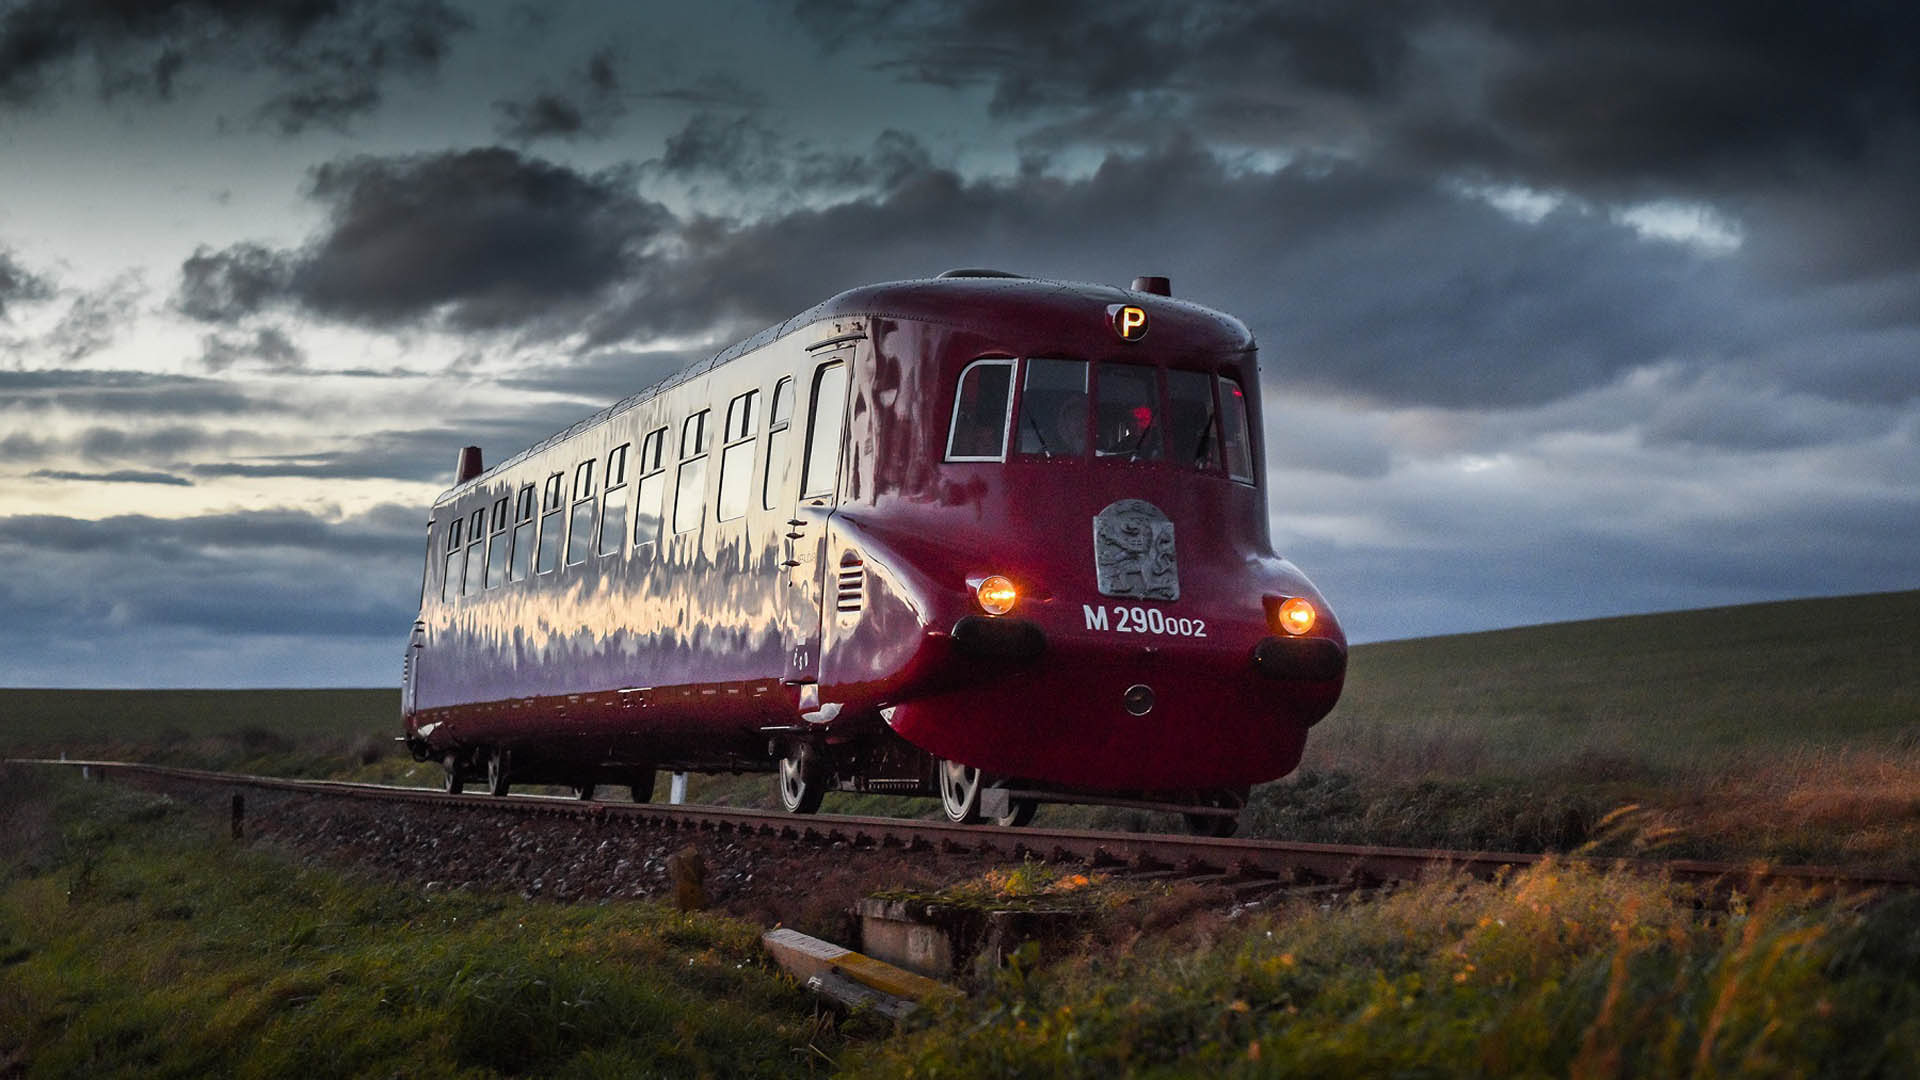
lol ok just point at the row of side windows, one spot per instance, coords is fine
(495, 545)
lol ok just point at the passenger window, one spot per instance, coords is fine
(1190, 420)
(690, 487)
(1128, 413)
(652, 490)
(824, 430)
(497, 546)
(1235, 436)
(453, 570)
(736, 459)
(522, 558)
(982, 406)
(613, 513)
(1053, 408)
(776, 484)
(475, 570)
(552, 510)
(580, 534)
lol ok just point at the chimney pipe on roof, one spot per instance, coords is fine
(468, 466)
(1158, 286)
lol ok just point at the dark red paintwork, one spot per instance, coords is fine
(689, 655)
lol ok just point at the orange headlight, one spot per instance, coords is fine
(996, 595)
(1296, 616)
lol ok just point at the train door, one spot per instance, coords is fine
(806, 536)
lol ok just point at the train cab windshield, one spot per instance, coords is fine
(1110, 410)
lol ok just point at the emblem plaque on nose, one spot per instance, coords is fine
(1133, 551)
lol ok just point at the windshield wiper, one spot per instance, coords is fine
(1035, 425)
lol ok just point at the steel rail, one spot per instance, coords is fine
(1282, 861)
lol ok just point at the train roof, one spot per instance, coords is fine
(985, 301)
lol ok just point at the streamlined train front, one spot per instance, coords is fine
(1052, 569)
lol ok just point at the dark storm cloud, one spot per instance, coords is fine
(267, 348)
(605, 377)
(1102, 55)
(104, 443)
(747, 153)
(1802, 117)
(126, 393)
(587, 109)
(330, 58)
(229, 284)
(1356, 282)
(118, 476)
(95, 318)
(1569, 91)
(480, 240)
(19, 285)
(714, 90)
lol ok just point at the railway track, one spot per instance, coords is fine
(1228, 861)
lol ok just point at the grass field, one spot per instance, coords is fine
(1788, 731)
(137, 941)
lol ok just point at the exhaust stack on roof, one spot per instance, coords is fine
(468, 466)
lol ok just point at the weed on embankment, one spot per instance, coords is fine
(1558, 971)
(136, 941)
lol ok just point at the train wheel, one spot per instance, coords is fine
(1217, 825)
(1019, 812)
(642, 790)
(959, 791)
(803, 783)
(455, 782)
(499, 778)
(1209, 825)
(584, 792)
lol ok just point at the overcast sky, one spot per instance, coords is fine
(1565, 309)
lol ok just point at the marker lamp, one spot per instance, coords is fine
(1296, 616)
(996, 595)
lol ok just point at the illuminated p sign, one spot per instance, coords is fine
(1129, 322)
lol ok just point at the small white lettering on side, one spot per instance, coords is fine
(1096, 616)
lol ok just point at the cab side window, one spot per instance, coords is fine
(736, 456)
(824, 430)
(690, 487)
(1235, 437)
(982, 408)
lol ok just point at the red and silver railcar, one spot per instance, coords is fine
(990, 538)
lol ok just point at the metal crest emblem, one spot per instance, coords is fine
(1133, 551)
